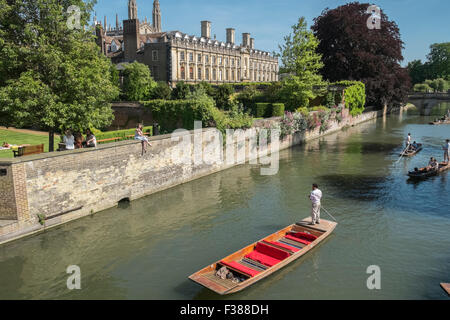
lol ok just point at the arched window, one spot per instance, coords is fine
(183, 73)
(207, 74)
(199, 74)
(191, 73)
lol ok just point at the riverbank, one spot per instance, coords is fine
(43, 191)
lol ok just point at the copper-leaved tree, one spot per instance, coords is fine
(352, 51)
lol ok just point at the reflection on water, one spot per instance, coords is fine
(146, 249)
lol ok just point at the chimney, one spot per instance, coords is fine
(206, 29)
(246, 40)
(231, 35)
(252, 43)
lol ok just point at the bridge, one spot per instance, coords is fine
(426, 101)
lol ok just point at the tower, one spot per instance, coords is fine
(132, 9)
(156, 16)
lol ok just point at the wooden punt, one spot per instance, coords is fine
(423, 173)
(436, 123)
(410, 153)
(446, 287)
(250, 264)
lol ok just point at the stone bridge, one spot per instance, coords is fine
(426, 101)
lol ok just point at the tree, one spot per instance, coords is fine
(439, 61)
(352, 51)
(162, 91)
(52, 76)
(422, 87)
(181, 91)
(417, 71)
(138, 82)
(300, 57)
(222, 96)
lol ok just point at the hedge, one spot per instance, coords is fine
(278, 109)
(121, 133)
(175, 114)
(262, 110)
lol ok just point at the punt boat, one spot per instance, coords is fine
(424, 173)
(436, 123)
(260, 259)
(410, 153)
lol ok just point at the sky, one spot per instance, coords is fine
(421, 23)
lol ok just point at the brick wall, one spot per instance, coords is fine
(8, 210)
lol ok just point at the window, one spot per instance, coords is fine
(191, 57)
(199, 58)
(155, 55)
(214, 74)
(232, 75)
(232, 62)
(226, 62)
(207, 74)
(206, 59)
(220, 61)
(214, 59)
(220, 75)
(182, 56)
(183, 73)
(239, 62)
(199, 74)
(239, 75)
(191, 73)
(227, 75)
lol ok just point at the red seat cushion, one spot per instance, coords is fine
(244, 269)
(303, 236)
(284, 246)
(297, 239)
(271, 251)
(267, 255)
(262, 258)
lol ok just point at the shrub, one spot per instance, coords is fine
(262, 110)
(355, 96)
(162, 91)
(181, 91)
(277, 109)
(222, 96)
(138, 83)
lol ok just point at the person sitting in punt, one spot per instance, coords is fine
(414, 146)
(433, 165)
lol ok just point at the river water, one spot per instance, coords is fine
(148, 249)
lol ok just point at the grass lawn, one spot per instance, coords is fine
(19, 138)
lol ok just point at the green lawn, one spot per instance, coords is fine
(19, 138)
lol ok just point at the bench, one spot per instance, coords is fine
(28, 150)
(109, 140)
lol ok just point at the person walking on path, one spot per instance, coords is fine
(315, 197)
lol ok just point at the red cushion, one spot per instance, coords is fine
(297, 239)
(284, 246)
(262, 258)
(304, 236)
(244, 269)
(271, 251)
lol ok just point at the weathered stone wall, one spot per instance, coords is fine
(8, 209)
(67, 185)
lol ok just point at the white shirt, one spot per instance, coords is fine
(316, 196)
(69, 142)
(447, 146)
(408, 139)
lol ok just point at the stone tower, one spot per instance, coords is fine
(132, 9)
(156, 16)
(131, 32)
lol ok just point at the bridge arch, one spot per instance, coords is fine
(425, 102)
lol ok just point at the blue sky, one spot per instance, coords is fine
(421, 23)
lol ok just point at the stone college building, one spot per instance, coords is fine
(174, 56)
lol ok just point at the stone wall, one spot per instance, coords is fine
(128, 114)
(63, 186)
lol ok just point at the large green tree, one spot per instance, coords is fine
(300, 58)
(138, 83)
(52, 74)
(437, 64)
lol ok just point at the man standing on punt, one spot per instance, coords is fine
(447, 151)
(315, 197)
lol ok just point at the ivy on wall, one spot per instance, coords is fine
(355, 96)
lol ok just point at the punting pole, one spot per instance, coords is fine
(403, 153)
(329, 214)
